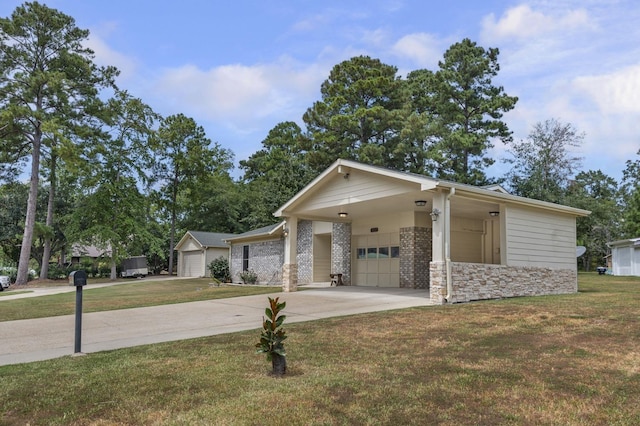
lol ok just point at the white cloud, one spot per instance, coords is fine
(422, 48)
(375, 38)
(522, 22)
(241, 96)
(614, 93)
(105, 55)
(311, 23)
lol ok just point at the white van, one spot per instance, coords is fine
(5, 281)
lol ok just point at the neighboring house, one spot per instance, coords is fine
(196, 250)
(80, 251)
(384, 228)
(625, 257)
(260, 251)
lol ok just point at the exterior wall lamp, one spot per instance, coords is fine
(434, 214)
(494, 214)
(421, 203)
(343, 214)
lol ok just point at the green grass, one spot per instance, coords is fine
(11, 293)
(139, 293)
(553, 360)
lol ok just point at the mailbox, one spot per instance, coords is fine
(78, 278)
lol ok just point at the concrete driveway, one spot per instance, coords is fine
(46, 338)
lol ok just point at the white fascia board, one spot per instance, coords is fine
(489, 195)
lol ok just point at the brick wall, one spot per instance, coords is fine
(265, 259)
(475, 281)
(304, 257)
(341, 251)
(415, 255)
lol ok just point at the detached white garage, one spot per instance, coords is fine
(197, 249)
(625, 257)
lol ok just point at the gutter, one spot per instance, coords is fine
(447, 243)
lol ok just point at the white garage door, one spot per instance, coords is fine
(377, 260)
(192, 264)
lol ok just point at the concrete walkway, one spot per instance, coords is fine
(46, 338)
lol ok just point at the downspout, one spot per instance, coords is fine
(447, 242)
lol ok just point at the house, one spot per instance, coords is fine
(261, 251)
(625, 257)
(196, 250)
(81, 251)
(384, 228)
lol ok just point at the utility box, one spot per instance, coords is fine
(78, 278)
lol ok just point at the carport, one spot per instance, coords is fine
(397, 229)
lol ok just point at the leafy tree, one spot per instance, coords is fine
(360, 115)
(13, 200)
(631, 197)
(54, 154)
(214, 203)
(47, 81)
(421, 131)
(183, 156)
(543, 164)
(11, 160)
(597, 192)
(112, 213)
(275, 173)
(467, 108)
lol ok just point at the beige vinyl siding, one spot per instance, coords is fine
(466, 240)
(385, 223)
(212, 254)
(358, 188)
(537, 238)
(491, 241)
(321, 257)
(190, 245)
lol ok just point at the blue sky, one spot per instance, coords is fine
(241, 67)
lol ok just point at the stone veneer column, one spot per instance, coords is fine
(289, 277)
(415, 255)
(437, 282)
(341, 251)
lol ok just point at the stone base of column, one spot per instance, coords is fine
(289, 277)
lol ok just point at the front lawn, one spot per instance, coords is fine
(138, 293)
(553, 360)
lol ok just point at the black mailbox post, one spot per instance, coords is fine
(79, 280)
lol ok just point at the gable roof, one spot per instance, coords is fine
(80, 250)
(496, 187)
(422, 183)
(265, 231)
(206, 239)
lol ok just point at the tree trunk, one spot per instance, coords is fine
(114, 269)
(172, 238)
(46, 255)
(30, 220)
(278, 364)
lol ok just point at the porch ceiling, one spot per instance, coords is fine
(357, 209)
(400, 203)
(475, 209)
